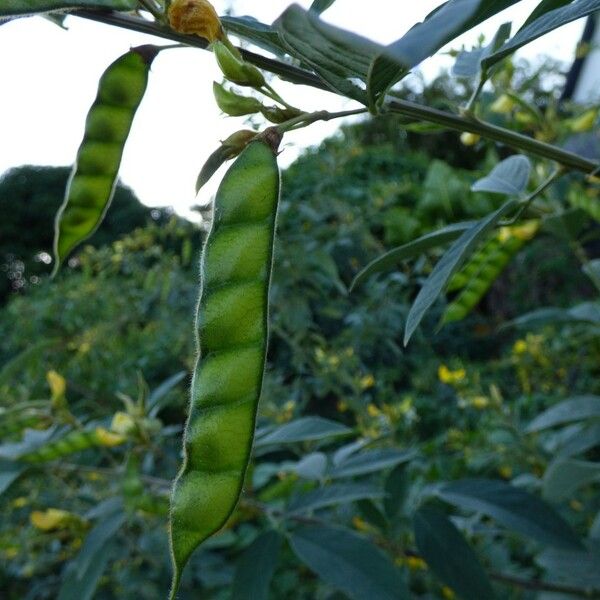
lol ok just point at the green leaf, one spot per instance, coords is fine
(509, 177)
(577, 408)
(81, 585)
(256, 566)
(397, 486)
(305, 429)
(29, 7)
(410, 250)
(542, 8)
(581, 441)
(254, 31)
(371, 462)
(582, 569)
(565, 476)
(449, 555)
(96, 540)
(311, 466)
(512, 507)
(154, 402)
(452, 260)
(336, 55)
(548, 22)
(9, 472)
(587, 312)
(331, 495)
(319, 6)
(424, 39)
(349, 563)
(468, 63)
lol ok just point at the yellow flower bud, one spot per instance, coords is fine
(57, 383)
(367, 381)
(196, 16)
(122, 423)
(584, 122)
(50, 519)
(502, 105)
(469, 139)
(107, 438)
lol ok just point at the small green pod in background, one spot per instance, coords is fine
(94, 176)
(233, 104)
(232, 332)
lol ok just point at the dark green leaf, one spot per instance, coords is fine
(256, 566)
(82, 586)
(449, 264)
(581, 569)
(449, 555)
(410, 250)
(349, 563)
(9, 472)
(254, 31)
(331, 495)
(304, 430)
(512, 507)
(369, 511)
(509, 177)
(96, 540)
(565, 476)
(544, 24)
(320, 6)
(397, 486)
(424, 39)
(336, 55)
(468, 63)
(542, 8)
(371, 462)
(577, 408)
(581, 441)
(29, 7)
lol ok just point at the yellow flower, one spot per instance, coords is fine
(415, 563)
(445, 375)
(520, 347)
(360, 524)
(108, 438)
(52, 518)
(505, 471)
(122, 423)
(373, 410)
(196, 16)
(342, 406)
(57, 383)
(584, 122)
(11, 552)
(367, 381)
(480, 402)
(20, 502)
(334, 360)
(504, 104)
(469, 139)
(576, 505)
(448, 593)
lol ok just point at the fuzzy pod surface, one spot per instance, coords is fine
(232, 333)
(92, 182)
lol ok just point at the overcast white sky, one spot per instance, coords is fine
(49, 79)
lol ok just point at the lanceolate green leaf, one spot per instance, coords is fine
(543, 25)
(256, 566)
(305, 429)
(542, 8)
(449, 264)
(333, 494)
(349, 563)
(29, 7)
(565, 476)
(92, 182)
(371, 462)
(410, 250)
(336, 55)
(254, 31)
(9, 473)
(509, 177)
(512, 507)
(424, 39)
(449, 555)
(573, 409)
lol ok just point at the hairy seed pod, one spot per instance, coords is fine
(231, 327)
(235, 69)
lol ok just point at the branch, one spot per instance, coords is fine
(402, 107)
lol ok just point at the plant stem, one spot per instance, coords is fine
(402, 107)
(321, 115)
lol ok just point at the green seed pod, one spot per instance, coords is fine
(232, 340)
(91, 185)
(484, 267)
(233, 104)
(279, 115)
(235, 69)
